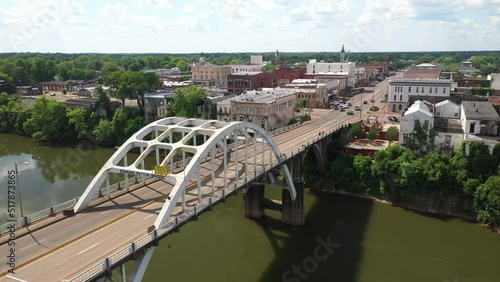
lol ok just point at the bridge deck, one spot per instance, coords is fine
(65, 248)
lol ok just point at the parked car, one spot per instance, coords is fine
(374, 108)
(349, 104)
(357, 108)
(336, 103)
(350, 112)
(335, 108)
(342, 109)
(393, 118)
(365, 102)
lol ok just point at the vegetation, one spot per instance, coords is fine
(392, 133)
(187, 99)
(398, 174)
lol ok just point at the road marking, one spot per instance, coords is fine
(156, 213)
(16, 278)
(38, 243)
(107, 211)
(89, 248)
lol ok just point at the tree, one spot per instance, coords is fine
(487, 201)
(48, 120)
(451, 68)
(373, 134)
(133, 125)
(427, 58)
(77, 118)
(269, 67)
(6, 77)
(487, 69)
(103, 132)
(392, 133)
(108, 68)
(356, 131)
(187, 99)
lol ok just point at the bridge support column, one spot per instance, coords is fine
(292, 212)
(254, 201)
(141, 264)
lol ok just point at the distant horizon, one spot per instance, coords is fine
(245, 52)
(226, 26)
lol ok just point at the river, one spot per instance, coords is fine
(344, 239)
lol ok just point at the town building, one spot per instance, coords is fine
(32, 90)
(256, 60)
(453, 120)
(69, 85)
(400, 89)
(208, 75)
(157, 105)
(245, 81)
(316, 68)
(334, 82)
(7, 87)
(495, 82)
(314, 92)
(375, 69)
(269, 108)
(245, 68)
(282, 77)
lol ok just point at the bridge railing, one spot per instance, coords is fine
(53, 210)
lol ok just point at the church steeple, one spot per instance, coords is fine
(342, 54)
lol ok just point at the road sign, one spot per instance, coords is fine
(161, 170)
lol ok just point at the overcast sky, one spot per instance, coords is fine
(194, 26)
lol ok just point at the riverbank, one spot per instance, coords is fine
(418, 206)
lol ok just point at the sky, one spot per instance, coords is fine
(195, 26)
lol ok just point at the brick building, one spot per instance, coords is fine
(284, 76)
(246, 81)
(7, 87)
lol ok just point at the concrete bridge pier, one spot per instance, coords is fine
(254, 201)
(292, 212)
(140, 265)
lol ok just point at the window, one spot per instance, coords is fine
(436, 90)
(394, 97)
(426, 124)
(430, 89)
(400, 97)
(472, 127)
(444, 90)
(406, 138)
(417, 89)
(400, 107)
(409, 89)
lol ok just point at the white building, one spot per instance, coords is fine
(452, 124)
(400, 90)
(245, 68)
(315, 68)
(256, 60)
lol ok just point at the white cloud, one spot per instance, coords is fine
(160, 4)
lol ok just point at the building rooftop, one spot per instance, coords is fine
(426, 65)
(420, 80)
(160, 95)
(422, 73)
(479, 110)
(261, 96)
(246, 73)
(419, 106)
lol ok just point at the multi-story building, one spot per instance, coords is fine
(282, 77)
(245, 68)
(400, 89)
(314, 92)
(453, 121)
(245, 81)
(375, 68)
(315, 68)
(268, 108)
(209, 75)
(157, 105)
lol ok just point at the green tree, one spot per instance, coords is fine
(451, 68)
(427, 58)
(108, 68)
(77, 118)
(132, 85)
(392, 133)
(487, 69)
(104, 132)
(133, 125)
(269, 67)
(487, 201)
(187, 99)
(356, 131)
(6, 77)
(372, 134)
(48, 121)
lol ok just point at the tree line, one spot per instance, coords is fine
(28, 68)
(398, 174)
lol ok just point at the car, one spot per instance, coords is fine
(349, 104)
(336, 103)
(346, 106)
(357, 108)
(393, 118)
(365, 102)
(52, 94)
(350, 112)
(342, 109)
(336, 108)
(374, 108)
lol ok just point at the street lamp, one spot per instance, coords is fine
(19, 187)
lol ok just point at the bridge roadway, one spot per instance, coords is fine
(64, 248)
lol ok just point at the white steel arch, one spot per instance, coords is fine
(218, 132)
